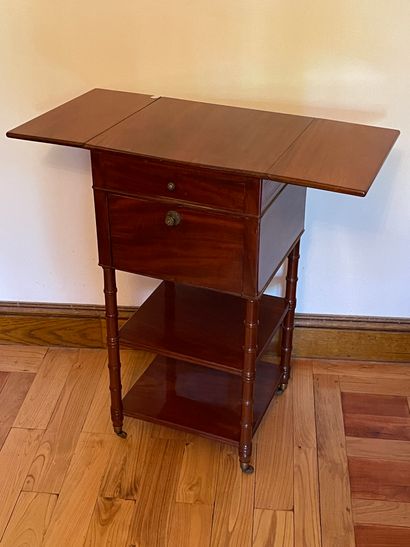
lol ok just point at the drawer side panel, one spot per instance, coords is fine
(281, 225)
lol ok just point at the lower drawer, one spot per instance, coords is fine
(183, 244)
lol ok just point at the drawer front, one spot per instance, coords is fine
(144, 177)
(196, 247)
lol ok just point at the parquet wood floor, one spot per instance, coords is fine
(332, 462)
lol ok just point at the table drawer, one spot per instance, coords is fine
(144, 177)
(177, 242)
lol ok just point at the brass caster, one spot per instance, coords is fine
(247, 468)
(121, 434)
(281, 388)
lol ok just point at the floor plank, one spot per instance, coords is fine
(165, 487)
(361, 369)
(386, 513)
(382, 536)
(29, 520)
(376, 405)
(16, 456)
(58, 444)
(4, 431)
(197, 479)
(335, 504)
(386, 386)
(274, 478)
(378, 449)
(190, 525)
(306, 479)
(76, 502)
(234, 503)
(380, 479)
(13, 394)
(133, 364)
(156, 496)
(110, 523)
(21, 358)
(44, 392)
(125, 471)
(377, 427)
(3, 379)
(272, 528)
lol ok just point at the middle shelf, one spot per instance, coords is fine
(199, 325)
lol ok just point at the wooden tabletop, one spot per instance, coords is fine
(326, 154)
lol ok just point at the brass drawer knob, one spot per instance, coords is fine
(171, 186)
(172, 218)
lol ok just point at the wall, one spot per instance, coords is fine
(341, 59)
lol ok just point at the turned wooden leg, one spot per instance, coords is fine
(113, 346)
(248, 380)
(289, 321)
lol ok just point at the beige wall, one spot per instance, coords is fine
(342, 59)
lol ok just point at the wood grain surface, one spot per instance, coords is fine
(321, 337)
(335, 503)
(338, 156)
(200, 326)
(58, 444)
(30, 520)
(326, 154)
(385, 513)
(161, 486)
(305, 465)
(381, 536)
(273, 528)
(205, 134)
(274, 457)
(77, 121)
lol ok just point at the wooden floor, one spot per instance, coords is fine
(332, 462)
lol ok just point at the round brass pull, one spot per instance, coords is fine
(172, 218)
(171, 186)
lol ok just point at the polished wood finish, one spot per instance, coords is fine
(381, 480)
(289, 321)
(135, 176)
(326, 154)
(198, 399)
(335, 502)
(330, 154)
(77, 121)
(169, 486)
(334, 337)
(180, 194)
(387, 513)
(58, 443)
(284, 221)
(274, 457)
(305, 461)
(250, 351)
(30, 520)
(381, 536)
(113, 346)
(379, 465)
(200, 326)
(223, 137)
(205, 249)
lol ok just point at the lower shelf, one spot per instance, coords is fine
(199, 325)
(198, 399)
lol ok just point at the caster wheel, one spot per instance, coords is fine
(281, 388)
(247, 468)
(121, 434)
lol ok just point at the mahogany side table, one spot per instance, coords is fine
(210, 199)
